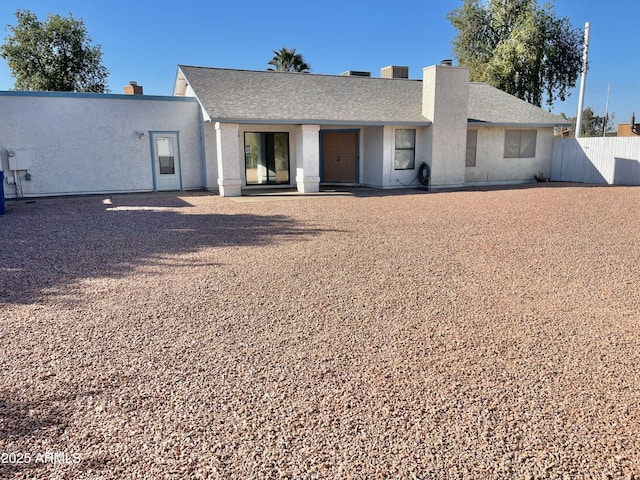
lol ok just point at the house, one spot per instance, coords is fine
(628, 129)
(234, 130)
(266, 128)
(63, 143)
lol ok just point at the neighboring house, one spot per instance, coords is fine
(234, 130)
(628, 129)
(272, 128)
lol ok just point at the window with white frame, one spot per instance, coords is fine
(520, 143)
(405, 157)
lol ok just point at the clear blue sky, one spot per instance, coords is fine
(144, 40)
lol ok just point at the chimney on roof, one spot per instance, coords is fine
(394, 71)
(445, 101)
(133, 89)
(447, 62)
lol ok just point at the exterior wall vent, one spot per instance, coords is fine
(355, 73)
(394, 71)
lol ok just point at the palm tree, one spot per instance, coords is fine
(287, 60)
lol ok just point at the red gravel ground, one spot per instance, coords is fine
(469, 334)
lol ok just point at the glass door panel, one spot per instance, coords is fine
(266, 157)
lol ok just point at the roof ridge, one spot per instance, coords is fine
(331, 75)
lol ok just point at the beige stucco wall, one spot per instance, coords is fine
(491, 166)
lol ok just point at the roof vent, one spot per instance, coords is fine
(394, 71)
(447, 62)
(355, 73)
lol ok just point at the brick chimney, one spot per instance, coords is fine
(133, 89)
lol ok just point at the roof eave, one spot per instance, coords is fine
(293, 121)
(181, 77)
(481, 123)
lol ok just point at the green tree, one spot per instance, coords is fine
(287, 60)
(518, 47)
(594, 125)
(55, 55)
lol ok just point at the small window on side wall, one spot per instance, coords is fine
(520, 143)
(472, 146)
(405, 158)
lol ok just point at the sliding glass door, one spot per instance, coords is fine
(266, 156)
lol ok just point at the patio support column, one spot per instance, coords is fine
(308, 158)
(388, 151)
(228, 155)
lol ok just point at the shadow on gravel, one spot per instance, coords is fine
(23, 421)
(54, 242)
(20, 420)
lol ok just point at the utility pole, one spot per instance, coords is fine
(583, 81)
(606, 112)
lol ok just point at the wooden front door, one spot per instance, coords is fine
(340, 157)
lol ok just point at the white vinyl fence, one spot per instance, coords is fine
(608, 160)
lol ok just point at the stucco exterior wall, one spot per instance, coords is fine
(86, 143)
(445, 94)
(377, 151)
(491, 166)
(210, 148)
(371, 156)
(393, 178)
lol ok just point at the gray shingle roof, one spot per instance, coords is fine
(487, 104)
(242, 96)
(245, 96)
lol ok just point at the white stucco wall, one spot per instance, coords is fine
(492, 167)
(371, 156)
(376, 153)
(90, 143)
(392, 178)
(445, 93)
(210, 149)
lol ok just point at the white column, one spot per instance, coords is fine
(308, 158)
(229, 161)
(388, 151)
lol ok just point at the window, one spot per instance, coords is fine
(520, 143)
(166, 159)
(405, 149)
(266, 157)
(472, 145)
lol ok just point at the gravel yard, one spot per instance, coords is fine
(469, 334)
